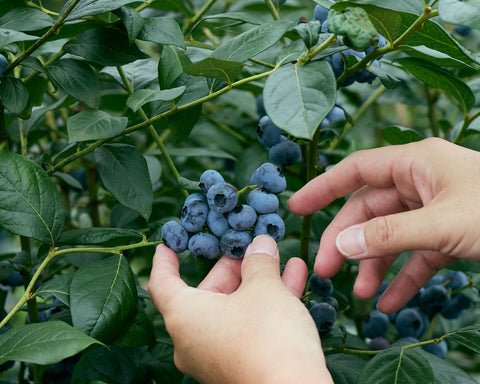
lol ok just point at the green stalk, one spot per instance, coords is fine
(432, 115)
(187, 28)
(146, 4)
(273, 10)
(314, 52)
(467, 120)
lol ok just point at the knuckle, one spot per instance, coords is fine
(381, 235)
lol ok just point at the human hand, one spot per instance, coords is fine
(244, 323)
(422, 197)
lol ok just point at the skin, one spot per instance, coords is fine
(243, 323)
(421, 197)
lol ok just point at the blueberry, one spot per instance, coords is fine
(270, 177)
(332, 301)
(462, 30)
(375, 324)
(14, 280)
(217, 222)
(364, 76)
(408, 340)
(434, 298)
(452, 310)
(409, 323)
(463, 301)
(222, 198)
(323, 161)
(3, 65)
(320, 13)
(439, 350)
(324, 27)
(268, 133)
(195, 196)
(263, 201)
(378, 344)
(204, 246)
(260, 107)
(382, 42)
(270, 224)
(324, 316)
(234, 243)
(455, 280)
(320, 286)
(435, 280)
(242, 217)
(174, 236)
(286, 153)
(335, 114)
(194, 214)
(209, 178)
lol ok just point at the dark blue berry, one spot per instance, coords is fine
(204, 246)
(435, 280)
(270, 224)
(14, 280)
(320, 286)
(409, 323)
(270, 177)
(320, 13)
(268, 133)
(222, 198)
(194, 214)
(335, 114)
(375, 324)
(324, 316)
(455, 280)
(209, 178)
(439, 350)
(234, 243)
(378, 344)
(260, 107)
(286, 153)
(174, 236)
(195, 196)
(242, 217)
(217, 222)
(452, 310)
(462, 30)
(263, 201)
(332, 301)
(3, 65)
(434, 298)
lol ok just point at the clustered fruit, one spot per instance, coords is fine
(440, 296)
(216, 221)
(324, 311)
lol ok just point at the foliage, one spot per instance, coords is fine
(111, 110)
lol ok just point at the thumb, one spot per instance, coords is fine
(391, 234)
(261, 259)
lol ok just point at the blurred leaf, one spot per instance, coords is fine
(468, 337)
(132, 21)
(144, 96)
(333, 337)
(108, 237)
(94, 125)
(297, 98)
(9, 36)
(124, 173)
(245, 17)
(30, 203)
(92, 7)
(28, 343)
(15, 97)
(162, 30)
(344, 368)
(25, 19)
(219, 69)
(182, 123)
(200, 152)
(465, 266)
(447, 373)
(465, 12)
(400, 135)
(103, 298)
(69, 179)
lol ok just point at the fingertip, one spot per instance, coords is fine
(295, 276)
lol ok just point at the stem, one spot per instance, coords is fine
(146, 4)
(57, 56)
(3, 129)
(432, 115)
(467, 120)
(53, 29)
(187, 28)
(273, 10)
(314, 52)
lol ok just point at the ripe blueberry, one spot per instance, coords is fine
(322, 287)
(285, 153)
(234, 243)
(209, 178)
(174, 236)
(194, 214)
(270, 224)
(204, 246)
(375, 324)
(3, 65)
(409, 323)
(242, 217)
(217, 222)
(324, 316)
(268, 133)
(263, 201)
(270, 177)
(222, 197)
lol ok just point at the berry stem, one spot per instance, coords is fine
(314, 52)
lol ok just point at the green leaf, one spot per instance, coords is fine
(15, 97)
(25, 19)
(104, 46)
(124, 173)
(78, 79)
(108, 237)
(144, 96)
(92, 7)
(309, 32)
(398, 365)
(59, 287)
(9, 36)
(103, 298)
(162, 30)
(30, 204)
(465, 12)
(439, 78)
(344, 368)
(447, 373)
(400, 135)
(182, 123)
(132, 21)
(188, 185)
(297, 98)
(469, 337)
(334, 337)
(465, 266)
(170, 65)
(43, 343)
(219, 69)
(140, 73)
(94, 125)
(200, 152)
(139, 334)
(245, 17)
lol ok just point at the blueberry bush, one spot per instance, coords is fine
(124, 124)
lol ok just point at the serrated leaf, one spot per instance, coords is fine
(109, 237)
(78, 79)
(224, 70)
(162, 30)
(465, 12)
(396, 135)
(144, 96)
(344, 368)
(94, 125)
(170, 65)
(92, 7)
(29, 343)
(132, 21)
(30, 204)
(25, 19)
(9, 36)
(440, 78)
(103, 298)
(124, 173)
(333, 337)
(15, 97)
(297, 98)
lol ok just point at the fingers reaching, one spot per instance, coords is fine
(295, 276)
(224, 277)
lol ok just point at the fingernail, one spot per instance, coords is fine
(263, 244)
(351, 242)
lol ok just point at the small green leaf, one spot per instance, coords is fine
(103, 298)
(171, 65)
(9, 36)
(468, 337)
(144, 96)
(297, 98)
(309, 32)
(15, 97)
(124, 173)
(94, 125)
(344, 368)
(132, 21)
(108, 237)
(58, 287)
(38, 207)
(465, 12)
(465, 266)
(400, 135)
(29, 343)
(25, 19)
(162, 30)
(78, 79)
(245, 17)
(333, 337)
(219, 69)
(140, 73)
(188, 185)
(92, 7)
(69, 179)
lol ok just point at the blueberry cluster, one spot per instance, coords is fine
(440, 296)
(3, 65)
(324, 311)
(216, 221)
(339, 60)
